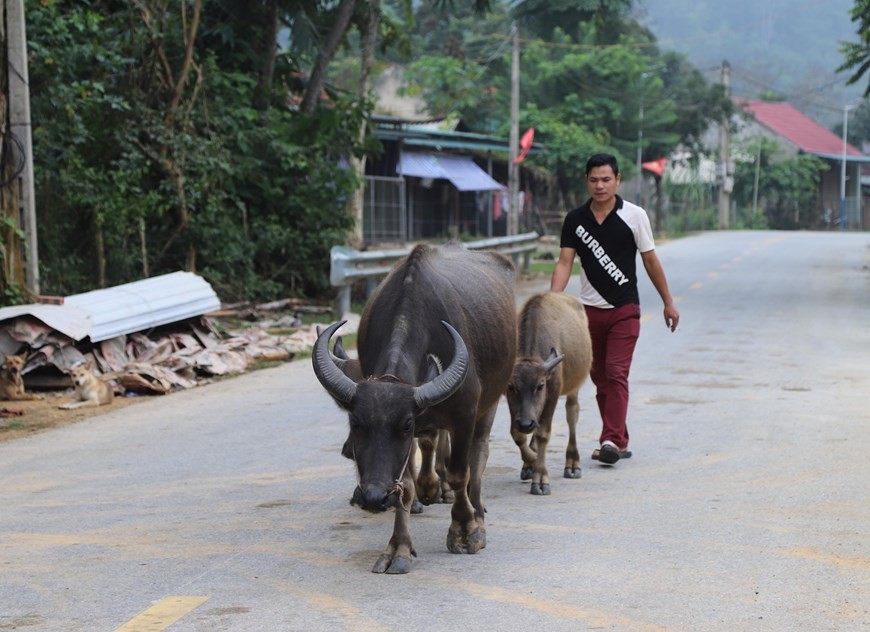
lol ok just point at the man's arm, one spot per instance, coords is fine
(562, 270)
(657, 276)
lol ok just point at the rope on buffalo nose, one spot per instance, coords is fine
(399, 485)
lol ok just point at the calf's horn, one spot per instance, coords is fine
(336, 383)
(443, 386)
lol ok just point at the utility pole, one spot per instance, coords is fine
(723, 172)
(513, 168)
(640, 154)
(643, 77)
(19, 126)
(846, 109)
(755, 187)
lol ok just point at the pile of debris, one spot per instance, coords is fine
(153, 336)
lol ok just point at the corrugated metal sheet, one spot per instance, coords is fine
(70, 321)
(132, 307)
(462, 171)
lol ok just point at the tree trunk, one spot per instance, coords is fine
(100, 247)
(315, 81)
(660, 204)
(263, 91)
(356, 204)
(143, 248)
(170, 164)
(13, 265)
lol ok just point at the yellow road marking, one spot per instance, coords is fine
(807, 553)
(162, 614)
(593, 618)
(335, 606)
(697, 286)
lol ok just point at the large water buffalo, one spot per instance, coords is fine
(553, 359)
(436, 347)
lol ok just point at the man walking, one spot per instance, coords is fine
(606, 233)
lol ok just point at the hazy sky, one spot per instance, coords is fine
(786, 46)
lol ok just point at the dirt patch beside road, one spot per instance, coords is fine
(43, 414)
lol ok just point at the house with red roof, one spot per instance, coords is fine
(797, 133)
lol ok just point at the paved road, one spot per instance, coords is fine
(745, 507)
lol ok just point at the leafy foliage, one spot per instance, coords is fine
(167, 135)
(858, 54)
(590, 81)
(787, 188)
(156, 166)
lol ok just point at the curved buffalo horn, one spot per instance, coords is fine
(336, 383)
(553, 360)
(447, 383)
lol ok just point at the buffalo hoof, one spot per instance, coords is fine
(471, 543)
(540, 490)
(399, 565)
(429, 490)
(572, 472)
(526, 473)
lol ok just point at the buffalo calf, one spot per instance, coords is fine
(554, 356)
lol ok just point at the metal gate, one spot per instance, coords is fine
(384, 211)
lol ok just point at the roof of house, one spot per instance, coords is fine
(797, 128)
(432, 133)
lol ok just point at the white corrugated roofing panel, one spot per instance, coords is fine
(70, 321)
(132, 307)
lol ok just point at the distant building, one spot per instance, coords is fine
(434, 178)
(796, 134)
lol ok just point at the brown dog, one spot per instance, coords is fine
(90, 390)
(11, 383)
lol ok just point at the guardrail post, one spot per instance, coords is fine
(342, 302)
(371, 286)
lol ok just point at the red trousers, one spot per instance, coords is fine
(614, 335)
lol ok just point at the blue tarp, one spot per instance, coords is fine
(461, 171)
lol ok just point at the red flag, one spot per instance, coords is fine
(525, 144)
(656, 166)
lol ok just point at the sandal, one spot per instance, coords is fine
(608, 454)
(620, 454)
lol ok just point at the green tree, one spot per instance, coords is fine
(859, 125)
(591, 80)
(857, 54)
(787, 189)
(176, 151)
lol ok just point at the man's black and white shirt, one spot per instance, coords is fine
(608, 252)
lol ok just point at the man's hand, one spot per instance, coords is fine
(672, 317)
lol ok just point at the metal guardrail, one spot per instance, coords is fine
(348, 265)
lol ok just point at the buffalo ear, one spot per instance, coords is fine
(437, 390)
(338, 349)
(347, 449)
(434, 367)
(349, 366)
